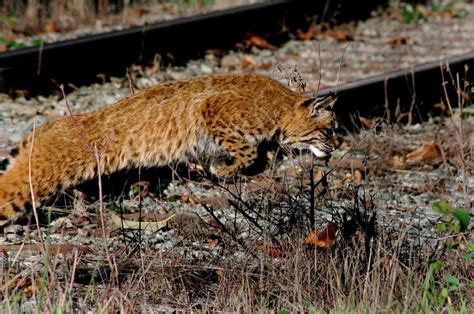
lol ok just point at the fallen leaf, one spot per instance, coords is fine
(221, 202)
(440, 186)
(185, 198)
(427, 153)
(444, 14)
(323, 238)
(18, 283)
(308, 35)
(83, 196)
(81, 220)
(140, 11)
(215, 224)
(260, 42)
(357, 177)
(339, 35)
(51, 27)
(465, 96)
(22, 92)
(212, 244)
(367, 123)
(442, 110)
(35, 286)
(250, 61)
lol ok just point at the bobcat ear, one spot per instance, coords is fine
(321, 103)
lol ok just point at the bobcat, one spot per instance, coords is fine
(228, 114)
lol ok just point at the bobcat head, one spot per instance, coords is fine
(312, 126)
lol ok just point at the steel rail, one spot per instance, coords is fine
(39, 70)
(78, 61)
(417, 89)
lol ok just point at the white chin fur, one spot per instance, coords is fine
(317, 152)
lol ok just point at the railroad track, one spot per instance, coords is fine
(78, 61)
(416, 90)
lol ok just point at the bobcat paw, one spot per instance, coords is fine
(223, 170)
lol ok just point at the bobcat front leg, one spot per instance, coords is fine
(242, 155)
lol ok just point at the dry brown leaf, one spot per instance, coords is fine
(212, 244)
(144, 187)
(18, 283)
(35, 286)
(22, 92)
(357, 177)
(323, 238)
(310, 34)
(427, 153)
(465, 96)
(367, 123)
(260, 42)
(140, 11)
(82, 196)
(339, 35)
(214, 201)
(51, 27)
(81, 220)
(185, 198)
(440, 186)
(250, 61)
(215, 224)
(442, 110)
(444, 14)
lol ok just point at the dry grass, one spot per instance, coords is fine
(369, 269)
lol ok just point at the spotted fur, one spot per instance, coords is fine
(175, 122)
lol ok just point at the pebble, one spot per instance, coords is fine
(230, 61)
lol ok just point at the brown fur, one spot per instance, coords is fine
(175, 122)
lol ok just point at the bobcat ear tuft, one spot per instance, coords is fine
(321, 103)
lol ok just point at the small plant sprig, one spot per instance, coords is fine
(440, 284)
(457, 218)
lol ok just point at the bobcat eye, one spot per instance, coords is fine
(329, 132)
